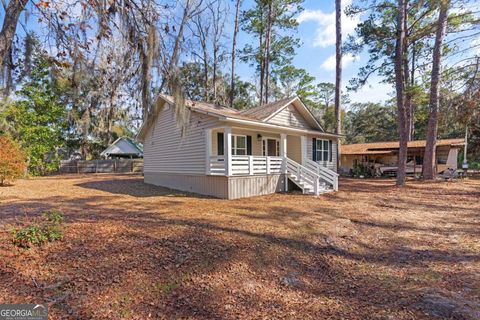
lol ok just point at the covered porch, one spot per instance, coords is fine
(232, 151)
(249, 152)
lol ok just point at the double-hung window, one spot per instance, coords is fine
(239, 145)
(324, 150)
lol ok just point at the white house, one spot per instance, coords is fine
(231, 154)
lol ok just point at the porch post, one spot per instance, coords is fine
(283, 145)
(208, 150)
(227, 150)
(283, 154)
(303, 147)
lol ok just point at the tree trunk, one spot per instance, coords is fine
(338, 74)
(176, 50)
(234, 49)
(429, 158)
(203, 44)
(12, 14)
(406, 77)
(205, 74)
(262, 66)
(214, 74)
(267, 50)
(412, 85)
(400, 94)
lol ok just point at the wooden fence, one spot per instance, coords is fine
(101, 166)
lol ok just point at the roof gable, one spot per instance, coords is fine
(289, 116)
(123, 146)
(266, 110)
(296, 109)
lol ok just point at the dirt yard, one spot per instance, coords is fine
(134, 251)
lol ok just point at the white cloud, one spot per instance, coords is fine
(373, 92)
(325, 31)
(347, 59)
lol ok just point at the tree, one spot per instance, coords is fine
(12, 13)
(325, 93)
(201, 32)
(293, 81)
(370, 122)
(244, 94)
(270, 22)
(38, 118)
(338, 72)
(12, 160)
(400, 93)
(218, 13)
(234, 51)
(429, 159)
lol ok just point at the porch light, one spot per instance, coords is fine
(259, 137)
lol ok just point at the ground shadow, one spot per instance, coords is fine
(135, 188)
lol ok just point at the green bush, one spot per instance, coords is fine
(37, 234)
(361, 170)
(54, 217)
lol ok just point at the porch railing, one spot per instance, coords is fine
(327, 175)
(303, 174)
(246, 165)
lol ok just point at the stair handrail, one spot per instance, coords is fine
(299, 169)
(326, 174)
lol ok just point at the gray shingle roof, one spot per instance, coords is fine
(264, 111)
(256, 113)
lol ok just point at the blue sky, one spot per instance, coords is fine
(316, 54)
(317, 51)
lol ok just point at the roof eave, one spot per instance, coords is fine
(279, 127)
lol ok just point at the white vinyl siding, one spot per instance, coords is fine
(290, 117)
(294, 148)
(165, 150)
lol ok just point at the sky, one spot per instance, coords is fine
(316, 54)
(317, 51)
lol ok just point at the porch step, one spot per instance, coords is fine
(306, 187)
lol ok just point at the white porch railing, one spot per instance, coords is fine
(329, 176)
(246, 165)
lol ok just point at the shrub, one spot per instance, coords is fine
(37, 234)
(12, 161)
(54, 217)
(362, 170)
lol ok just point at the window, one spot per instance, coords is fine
(324, 150)
(239, 145)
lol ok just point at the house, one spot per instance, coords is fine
(381, 157)
(123, 148)
(231, 154)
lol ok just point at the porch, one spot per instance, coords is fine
(235, 151)
(241, 152)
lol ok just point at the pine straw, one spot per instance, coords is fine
(136, 251)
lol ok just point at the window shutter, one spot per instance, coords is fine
(314, 149)
(249, 145)
(330, 150)
(220, 143)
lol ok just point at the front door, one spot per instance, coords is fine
(271, 147)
